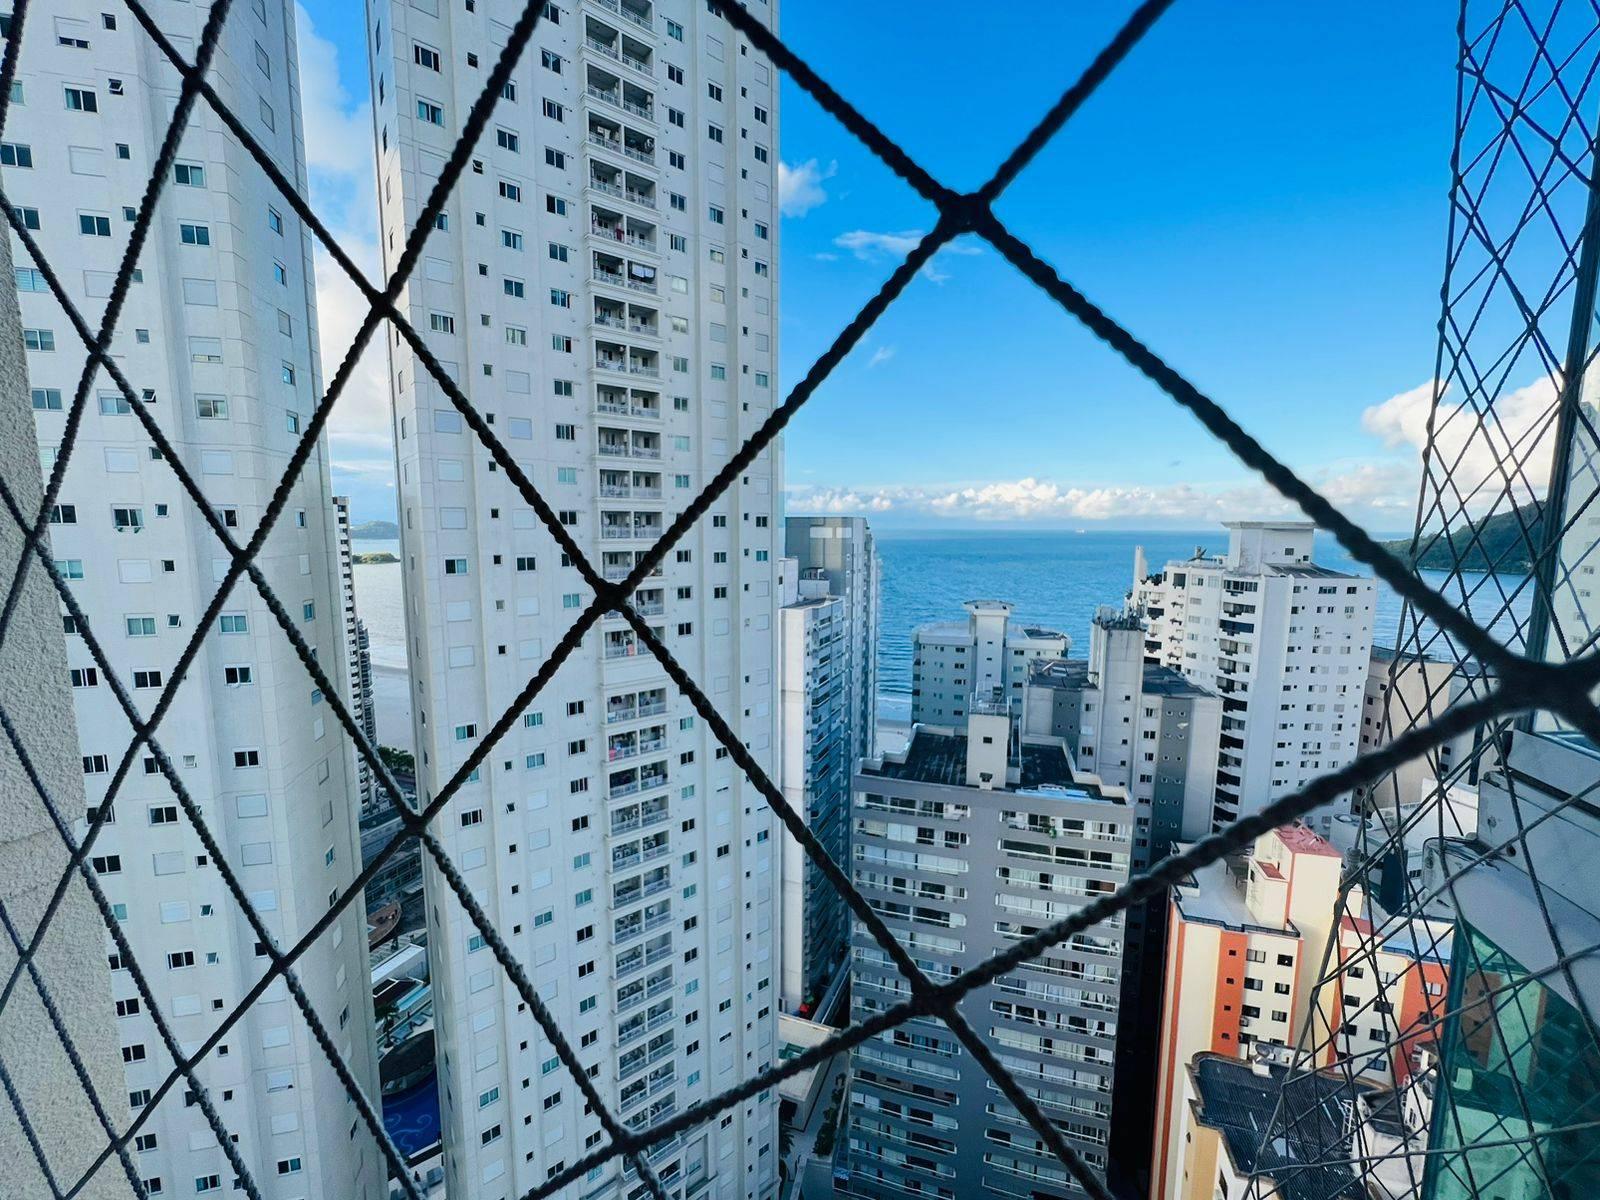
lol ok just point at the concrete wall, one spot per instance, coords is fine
(35, 694)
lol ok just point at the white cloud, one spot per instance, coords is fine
(343, 185)
(873, 246)
(363, 466)
(1377, 495)
(880, 356)
(338, 135)
(1378, 491)
(1470, 448)
(867, 245)
(1031, 499)
(800, 186)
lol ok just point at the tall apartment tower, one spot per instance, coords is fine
(1149, 734)
(814, 705)
(219, 336)
(602, 284)
(952, 661)
(356, 647)
(973, 836)
(1285, 642)
(844, 550)
(1135, 725)
(1245, 945)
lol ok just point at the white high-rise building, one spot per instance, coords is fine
(219, 337)
(1284, 641)
(814, 706)
(357, 654)
(602, 284)
(952, 661)
(844, 551)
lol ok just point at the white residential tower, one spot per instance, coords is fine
(219, 338)
(1286, 643)
(602, 285)
(952, 661)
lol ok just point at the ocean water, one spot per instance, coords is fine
(1057, 579)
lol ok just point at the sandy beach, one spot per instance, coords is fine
(391, 693)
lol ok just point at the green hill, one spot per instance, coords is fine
(374, 530)
(1501, 546)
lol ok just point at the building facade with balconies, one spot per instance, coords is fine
(1147, 733)
(952, 661)
(974, 836)
(1286, 643)
(357, 653)
(602, 285)
(218, 339)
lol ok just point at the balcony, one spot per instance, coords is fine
(626, 825)
(624, 896)
(619, 408)
(608, 49)
(622, 861)
(614, 449)
(636, 711)
(616, 233)
(605, 85)
(643, 746)
(639, 929)
(633, 364)
(641, 19)
(641, 957)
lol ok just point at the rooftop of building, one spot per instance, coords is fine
(939, 755)
(1072, 674)
(1419, 939)
(814, 602)
(1290, 1126)
(1202, 559)
(1109, 616)
(1302, 840)
(961, 631)
(796, 1035)
(1308, 571)
(1389, 654)
(1215, 895)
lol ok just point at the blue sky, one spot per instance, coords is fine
(1259, 193)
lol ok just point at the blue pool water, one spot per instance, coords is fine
(412, 1118)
